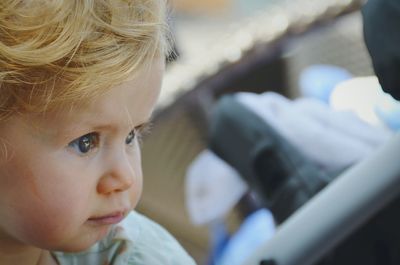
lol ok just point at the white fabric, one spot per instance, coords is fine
(332, 139)
(365, 97)
(212, 188)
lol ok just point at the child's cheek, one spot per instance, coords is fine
(55, 212)
(40, 225)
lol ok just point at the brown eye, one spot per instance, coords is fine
(85, 143)
(131, 137)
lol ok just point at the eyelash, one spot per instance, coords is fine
(142, 130)
(89, 142)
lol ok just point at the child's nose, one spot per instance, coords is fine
(119, 177)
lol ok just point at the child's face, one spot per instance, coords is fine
(68, 176)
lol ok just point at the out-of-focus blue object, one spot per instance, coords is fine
(219, 237)
(319, 80)
(256, 229)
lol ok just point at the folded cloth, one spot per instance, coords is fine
(212, 188)
(332, 140)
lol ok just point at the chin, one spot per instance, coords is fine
(81, 243)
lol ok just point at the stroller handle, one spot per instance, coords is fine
(336, 211)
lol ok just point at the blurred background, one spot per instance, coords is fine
(226, 46)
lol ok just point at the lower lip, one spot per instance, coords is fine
(107, 220)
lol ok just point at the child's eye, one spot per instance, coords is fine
(85, 143)
(131, 137)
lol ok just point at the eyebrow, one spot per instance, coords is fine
(111, 127)
(77, 131)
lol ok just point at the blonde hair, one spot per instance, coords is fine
(56, 52)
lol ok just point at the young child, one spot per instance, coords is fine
(79, 81)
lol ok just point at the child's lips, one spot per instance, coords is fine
(108, 219)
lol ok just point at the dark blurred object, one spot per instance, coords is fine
(283, 176)
(382, 37)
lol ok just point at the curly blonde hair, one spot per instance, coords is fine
(57, 52)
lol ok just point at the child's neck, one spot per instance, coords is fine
(28, 256)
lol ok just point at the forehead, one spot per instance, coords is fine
(127, 104)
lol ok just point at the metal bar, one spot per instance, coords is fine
(336, 211)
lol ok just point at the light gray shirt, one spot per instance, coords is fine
(135, 241)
